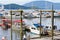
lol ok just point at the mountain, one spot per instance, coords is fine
(34, 4)
(15, 6)
(57, 6)
(43, 5)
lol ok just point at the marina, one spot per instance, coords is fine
(45, 22)
(29, 24)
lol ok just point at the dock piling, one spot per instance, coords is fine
(11, 24)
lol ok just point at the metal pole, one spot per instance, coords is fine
(52, 18)
(11, 24)
(21, 29)
(40, 21)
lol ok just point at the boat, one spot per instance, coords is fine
(1, 15)
(35, 29)
(56, 15)
(29, 16)
(6, 14)
(48, 15)
(38, 25)
(49, 27)
(17, 22)
(6, 24)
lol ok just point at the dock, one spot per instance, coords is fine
(46, 38)
(36, 37)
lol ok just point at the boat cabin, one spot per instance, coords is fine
(17, 23)
(49, 27)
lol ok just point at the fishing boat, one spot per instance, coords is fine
(17, 23)
(35, 29)
(48, 15)
(49, 27)
(29, 16)
(1, 15)
(57, 15)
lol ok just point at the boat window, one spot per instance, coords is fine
(6, 13)
(50, 27)
(33, 28)
(18, 23)
(13, 14)
(46, 26)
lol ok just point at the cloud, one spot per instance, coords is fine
(15, 1)
(56, 1)
(23, 1)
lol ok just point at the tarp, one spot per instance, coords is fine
(38, 25)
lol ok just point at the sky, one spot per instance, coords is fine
(21, 2)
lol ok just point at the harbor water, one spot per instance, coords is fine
(45, 21)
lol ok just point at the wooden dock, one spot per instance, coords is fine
(46, 38)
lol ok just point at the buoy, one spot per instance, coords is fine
(3, 38)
